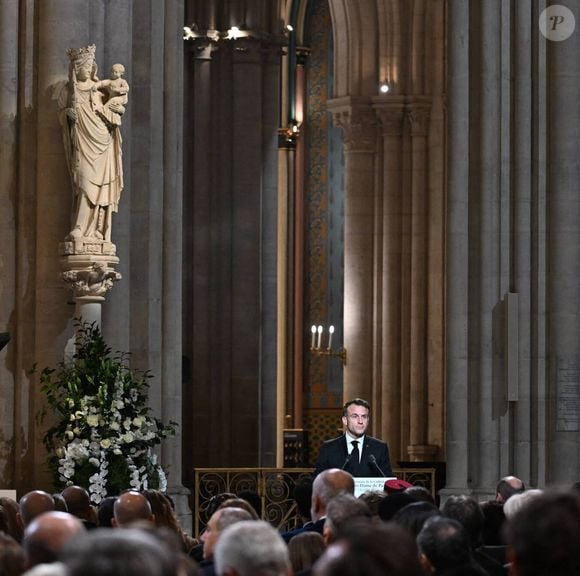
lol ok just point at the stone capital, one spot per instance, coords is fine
(357, 119)
(390, 112)
(418, 112)
(90, 277)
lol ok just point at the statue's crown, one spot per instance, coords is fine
(82, 54)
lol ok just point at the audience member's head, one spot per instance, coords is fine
(468, 513)
(251, 548)
(507, 487)
(78, 502)
(373, 499)
(340, 512)
(519, 501)
(131, 507)
(47, 534)
(494, 518)
(443, 545)
(413, 516)
(12, 559)
(13, 527)
(34, 504)
(220, 520)
(392, 503)
(129, 552)
(544, 534)
(372, 549)
(254, 499)
(326, 486)
(106, 512)
(162, 510)
(302, 495)
(59, 502)
(215, 501)
(420, 493)
(305, 549)
(240, 503)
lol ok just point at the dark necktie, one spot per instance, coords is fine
(355, 454)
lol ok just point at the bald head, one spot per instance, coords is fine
(327, 485)
(508, 486)
(131, 507)
(46, 535)
(34, 504)
(78, 502)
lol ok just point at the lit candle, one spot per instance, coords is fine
(331, 332)
(313, 330)
(319, 336)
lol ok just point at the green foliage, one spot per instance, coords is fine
(104, 432)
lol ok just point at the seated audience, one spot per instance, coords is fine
(373, 499)
(444, 548)
(240, 503)
(302, 495)
(131, 507)
(33, 504)
(129, 552)
(305, 549)
(518, 501)
(221, 519)
(340, 513)
(106, 512)
(414, 515)
(326, 486)
(251, 548)
(507, 487)
(252, 498)
(543, 535)
(13, 526)
(78, 504)
(420, 493)
(165, 517)
(392, 503)
(370, 549)
(47, 535)
(12, 560)
(468, 513)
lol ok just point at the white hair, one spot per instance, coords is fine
(518, 501)
(251, 548)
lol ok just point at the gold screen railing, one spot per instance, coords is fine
(274, 486)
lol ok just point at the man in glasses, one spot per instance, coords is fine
(354, 451)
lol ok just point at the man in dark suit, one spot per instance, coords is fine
(354, 451)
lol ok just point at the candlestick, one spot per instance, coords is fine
(313, 330)
(330, 332)
(319, 336)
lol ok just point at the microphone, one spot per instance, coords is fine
(373, 462)
(346, 461)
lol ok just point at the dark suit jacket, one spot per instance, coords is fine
(333, 455)
(310, 527)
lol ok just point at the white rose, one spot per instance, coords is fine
(127, 423)
(114, 426)
(76, 431)
(105, 443)
(92, 420)
(138, 422)
(72, 418)
(69, 434)
(128, 438)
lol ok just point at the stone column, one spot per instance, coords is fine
(418, 114)
(171, 366)
(390, 113)
(358, 121)
(9, 90)
(458, 250)
(564, 256)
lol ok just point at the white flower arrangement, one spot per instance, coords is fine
(106, 434)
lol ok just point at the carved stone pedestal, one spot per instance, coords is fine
(89, 267)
